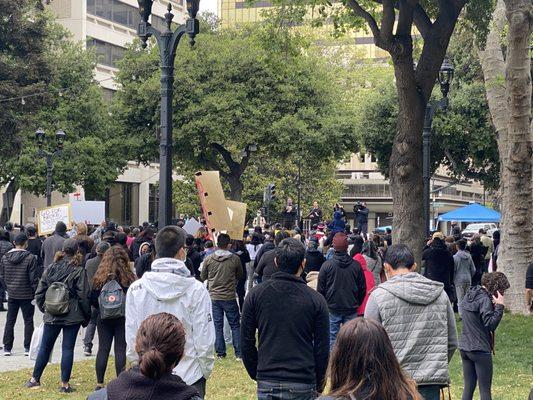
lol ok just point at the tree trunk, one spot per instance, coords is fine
(516, 249)
(236, 186)
(406, 160)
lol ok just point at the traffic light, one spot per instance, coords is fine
(271, 192)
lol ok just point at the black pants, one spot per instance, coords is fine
(109, 329)
(200, 387)
(28, 309)
(477, 368)
(91, 329)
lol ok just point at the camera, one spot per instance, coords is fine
(358, 206)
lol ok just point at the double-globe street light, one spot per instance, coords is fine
(167, 41)
(49, 155)
(445, 79)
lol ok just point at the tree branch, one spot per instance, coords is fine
(226, 155)
(405, 18)
(466, 174)
(387, 21)
(422, 21)
(360, 12)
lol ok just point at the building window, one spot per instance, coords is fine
(108, 54)
(115, 11)
(153, 202)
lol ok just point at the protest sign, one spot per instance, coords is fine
(192, 226)
(213, 202)
(47, 218)
(237, 212)
(90, 212)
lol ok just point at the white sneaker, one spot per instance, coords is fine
(26, 352)
(7, 353)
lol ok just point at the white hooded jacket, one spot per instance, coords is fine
(169, 287)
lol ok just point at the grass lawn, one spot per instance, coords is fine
(513, 372)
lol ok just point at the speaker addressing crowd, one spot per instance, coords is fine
(295, 303)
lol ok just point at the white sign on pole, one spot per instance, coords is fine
(47, 218)
(192, 226)
(90, 212)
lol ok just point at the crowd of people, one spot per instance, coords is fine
(333, 305)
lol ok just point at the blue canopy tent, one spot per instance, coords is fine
(472, 213)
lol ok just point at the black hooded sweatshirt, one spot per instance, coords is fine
(342, 282)
(480, 320)
(440, 266)
(133, 385)
(19, 273)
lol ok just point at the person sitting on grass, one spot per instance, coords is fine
(363, 365)
(160, 344)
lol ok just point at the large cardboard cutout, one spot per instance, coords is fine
(221, 215)
(47, 218)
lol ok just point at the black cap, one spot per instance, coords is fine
(20, 239)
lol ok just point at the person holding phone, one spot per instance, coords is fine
(481, 310)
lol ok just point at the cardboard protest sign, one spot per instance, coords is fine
(192, 226)
(90, 212)
(212, 200)
(237, 213)
(47, 218)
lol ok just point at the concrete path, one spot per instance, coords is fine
(18, 361)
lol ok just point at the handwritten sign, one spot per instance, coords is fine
(47, 218)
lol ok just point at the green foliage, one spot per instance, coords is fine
(463, 138)
(69, 99)
(232, 90)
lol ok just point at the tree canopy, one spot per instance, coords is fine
(48, 83)
(238, 101)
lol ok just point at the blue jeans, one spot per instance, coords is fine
(430, 392)
(285, 391)
(231, 309)
(335, 322)
(50, 334)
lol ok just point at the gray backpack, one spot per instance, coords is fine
(112, 301)
(56, 299)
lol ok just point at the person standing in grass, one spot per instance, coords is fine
(481, 310)
(293, 323)
(363, 366)
(111, 328)
(170, 287)
(63, 297)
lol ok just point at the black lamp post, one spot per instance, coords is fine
(445, 79)
(168, 42)
(49, 155)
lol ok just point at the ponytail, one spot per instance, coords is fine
(152, 364)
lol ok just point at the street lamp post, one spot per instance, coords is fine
(49, 155)
(167, 41)
(445, 78)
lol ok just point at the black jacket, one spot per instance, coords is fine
(76, 279)
(293, 324)
(5, 246)
(480, 320)
(35, 247)
(267, 246)
(132, 384)
(143, 264)
(439, 265)
(196, 259)
(361, 216)
(19, 274)
(266, 266)
(342, 282)
(313, 260)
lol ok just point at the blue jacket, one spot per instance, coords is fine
(338, 224)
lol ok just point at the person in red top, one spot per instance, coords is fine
(357, 251)
(369, 280)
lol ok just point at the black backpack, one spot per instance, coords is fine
(112, 301)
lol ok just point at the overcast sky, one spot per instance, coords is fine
(208, 5)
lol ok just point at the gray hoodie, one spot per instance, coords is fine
(419, 319)
(464, 268)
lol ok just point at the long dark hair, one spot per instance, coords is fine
(358, 243)
(160, 344)
(115, 264)
(363, 363)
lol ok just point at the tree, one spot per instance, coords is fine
(238, 101)
(392, 24)
(463, 138)
(508, 81)
(56, 78)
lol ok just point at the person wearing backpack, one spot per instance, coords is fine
(110, 284)
(63, 298)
